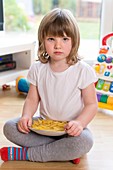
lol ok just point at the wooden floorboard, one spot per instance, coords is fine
(99, 158)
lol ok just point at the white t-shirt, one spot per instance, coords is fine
(60, 92)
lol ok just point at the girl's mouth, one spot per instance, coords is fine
(57, 52)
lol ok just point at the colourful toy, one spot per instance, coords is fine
(106, 86)
(100, 84)
(104, 71)
(22, 85)
(105, 101)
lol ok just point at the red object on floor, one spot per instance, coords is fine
(76, 161)
(6, 87)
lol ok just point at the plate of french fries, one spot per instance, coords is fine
(48, 127)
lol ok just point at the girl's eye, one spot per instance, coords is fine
(65, 39)
(50, 39)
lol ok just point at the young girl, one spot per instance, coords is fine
(63, 87)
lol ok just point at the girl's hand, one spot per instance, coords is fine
(24, 124)
(74, 128)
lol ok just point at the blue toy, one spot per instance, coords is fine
(22, 85)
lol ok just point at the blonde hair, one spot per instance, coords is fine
(59, 22)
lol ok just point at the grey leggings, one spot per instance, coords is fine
(44, 148)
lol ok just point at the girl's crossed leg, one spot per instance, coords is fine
(41, 148)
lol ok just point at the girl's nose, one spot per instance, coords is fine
(57, 44)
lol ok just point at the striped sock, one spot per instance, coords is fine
(13, 153)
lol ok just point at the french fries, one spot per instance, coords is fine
(47, 124)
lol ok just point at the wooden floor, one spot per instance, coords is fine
(99, 158)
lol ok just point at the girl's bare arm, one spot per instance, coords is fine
(75, 127)
(29, 109)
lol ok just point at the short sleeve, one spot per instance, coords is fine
(88, 76)
(32, 74)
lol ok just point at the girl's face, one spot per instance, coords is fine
(58, 48)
